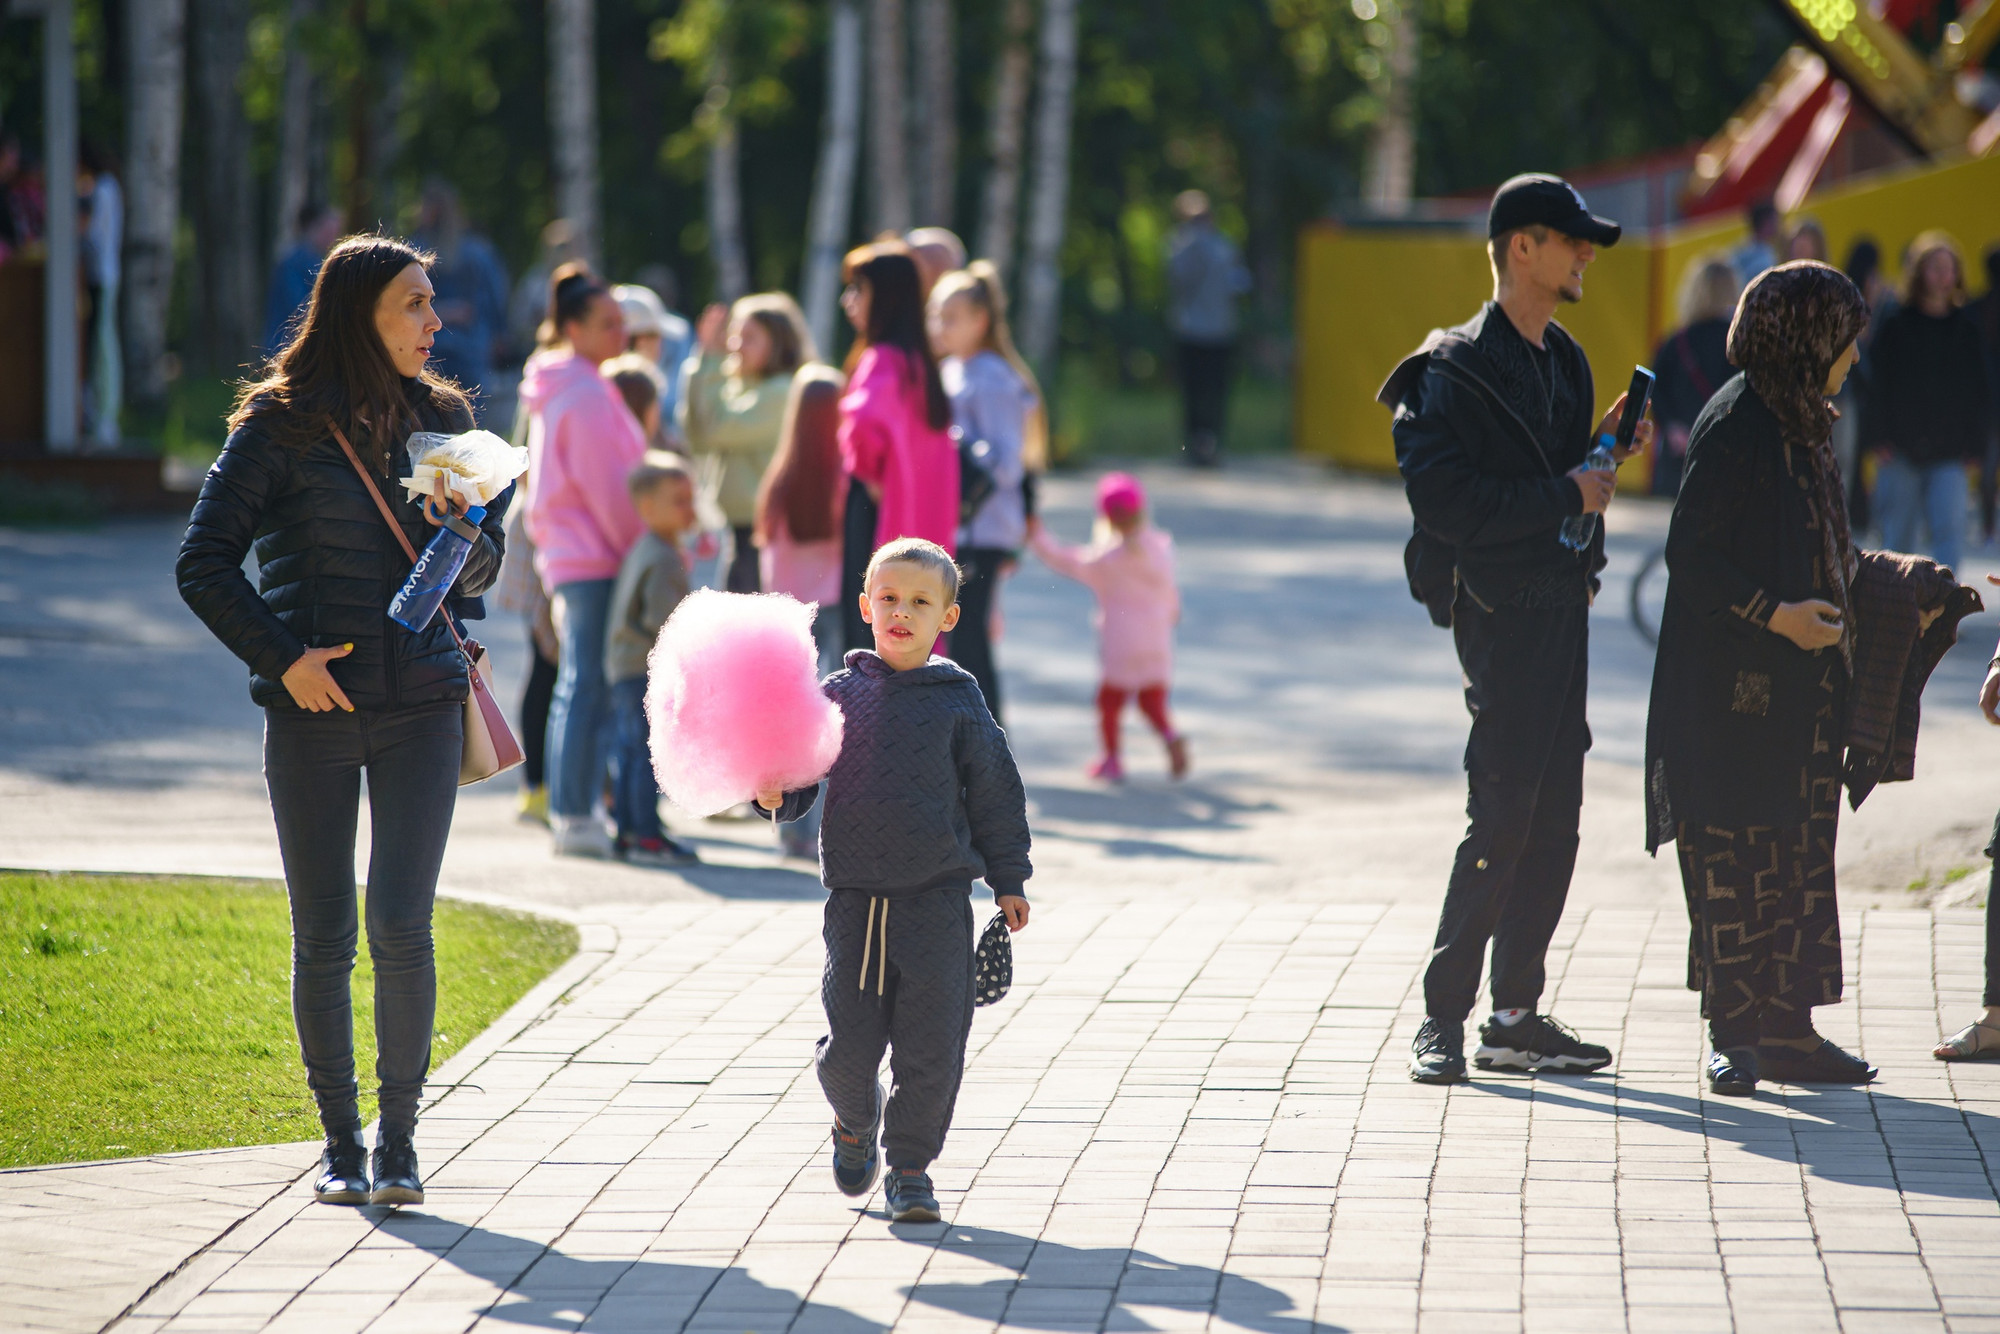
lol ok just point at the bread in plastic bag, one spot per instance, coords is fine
(476, 465)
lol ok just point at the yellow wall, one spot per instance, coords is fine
(1366, 298)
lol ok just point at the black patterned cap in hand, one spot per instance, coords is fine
(993, 968)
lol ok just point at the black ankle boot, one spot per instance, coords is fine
(396, 1179)
(343, 1170)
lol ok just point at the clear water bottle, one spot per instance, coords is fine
(434, 573)
(1577, 532)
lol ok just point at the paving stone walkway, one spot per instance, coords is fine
(1190, 1114)
(1186, 1116)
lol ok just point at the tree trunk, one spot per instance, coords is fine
(1392, 149)
(833, 181)
(294, 130)
(725, 187)
(937, 117)
(360, 126)
(228, 249)
(1010, 109)
(888, 140)
(156, 32)
(573, 118)
(1048, 198)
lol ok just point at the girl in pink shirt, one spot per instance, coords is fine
(893, 422)
(1130, 567)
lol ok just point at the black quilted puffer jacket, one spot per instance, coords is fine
(925, 793)
(327, 567)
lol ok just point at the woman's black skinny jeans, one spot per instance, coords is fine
(313, 764)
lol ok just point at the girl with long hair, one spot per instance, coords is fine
(997, 408)
(345, 690)
(582, 443)
(893, 422)
(734, 403)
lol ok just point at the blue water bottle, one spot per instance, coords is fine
(1577, 532)
(436, 570)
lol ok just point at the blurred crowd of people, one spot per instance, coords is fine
(1917, 427)
(669, 454)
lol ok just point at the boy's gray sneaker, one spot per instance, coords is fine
(1437, 1056)
(857, 1156)
(912, 1199)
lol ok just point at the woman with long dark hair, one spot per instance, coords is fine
(1749, 712)
(583, 442)
(893, 422)
(345, 690)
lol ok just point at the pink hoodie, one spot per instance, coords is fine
(887, 440)
(582, 442)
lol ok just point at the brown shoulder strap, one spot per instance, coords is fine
(389, 517)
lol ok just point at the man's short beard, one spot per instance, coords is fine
(1569, 295)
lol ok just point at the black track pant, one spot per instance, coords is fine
(1526, 671)
(898, 976)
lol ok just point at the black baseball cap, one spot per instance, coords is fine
(1550, 201)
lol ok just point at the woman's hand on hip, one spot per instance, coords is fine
(1989, 693)
(1811, 624)
(312, 685)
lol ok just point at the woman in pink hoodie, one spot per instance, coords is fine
(582, 443)
(893, 423)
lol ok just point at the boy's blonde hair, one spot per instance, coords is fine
(924, 555)
(656, 467)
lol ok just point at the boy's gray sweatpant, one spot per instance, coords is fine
(898, 975)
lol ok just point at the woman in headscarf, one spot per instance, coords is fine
(1748, 718)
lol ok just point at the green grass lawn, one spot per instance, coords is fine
(144, 1015)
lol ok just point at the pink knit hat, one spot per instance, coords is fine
(1119, 494)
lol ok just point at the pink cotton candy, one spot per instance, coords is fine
(733, 699)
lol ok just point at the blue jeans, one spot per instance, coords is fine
(313, 764)
(635, 793)
(1930, 495)
(580, 713)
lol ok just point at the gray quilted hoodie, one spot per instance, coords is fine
(925, 793)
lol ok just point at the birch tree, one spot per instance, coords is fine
(573, 119)
(833, 178)
(1002, 205)
(937, 116)
(156, 32)
(725, 184)
(888, 137)
(294, 185)
(1392, 148)
(1048, 199)
(228, 253)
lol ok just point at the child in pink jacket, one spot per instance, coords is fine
(1130, 567)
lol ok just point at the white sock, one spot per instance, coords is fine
(1510, 1017)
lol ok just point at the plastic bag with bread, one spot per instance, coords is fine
(476, 465)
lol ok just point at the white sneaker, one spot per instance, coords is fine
(582, 836)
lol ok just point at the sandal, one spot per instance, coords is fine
(1824, 1064)
(1968, 1044)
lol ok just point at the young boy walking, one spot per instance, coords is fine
(651, 583)
(923, 800)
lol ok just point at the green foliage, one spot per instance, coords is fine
(142, 1015)
(25, 503)
(1266, 104)
(1095, 422)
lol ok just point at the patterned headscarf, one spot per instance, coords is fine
(1792, 324)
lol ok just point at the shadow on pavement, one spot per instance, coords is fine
(751, 882)
(1181, 806)
(1058, 1287)
(546, 1289)
(1854, 1136)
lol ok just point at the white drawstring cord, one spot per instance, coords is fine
(881, 951)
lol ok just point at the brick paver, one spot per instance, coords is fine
(1186, 1116)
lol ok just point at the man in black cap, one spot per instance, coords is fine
(1492, 426)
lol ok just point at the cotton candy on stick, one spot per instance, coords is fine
(733, 701)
